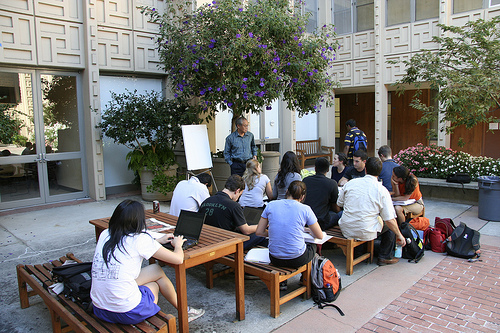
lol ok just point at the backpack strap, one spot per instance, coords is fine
(322, 305)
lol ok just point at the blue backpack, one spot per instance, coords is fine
(360, 141)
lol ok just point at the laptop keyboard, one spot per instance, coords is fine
(187, 244)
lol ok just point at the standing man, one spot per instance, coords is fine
(368, 212)
(385, 155)
(240, 147)
(224, 212)
(322, 194)
(189, 194)
(355, 139)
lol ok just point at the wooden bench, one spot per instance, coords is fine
(311, 149)
(270, 275)
(347, 245)
(39, 278)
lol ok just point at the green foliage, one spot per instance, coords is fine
(465, 72)
(9, 124)
(163, 183)
(438, 162)
(150, 126)
(243, 55)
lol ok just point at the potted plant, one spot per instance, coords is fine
(151, 127)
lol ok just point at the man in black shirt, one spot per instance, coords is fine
(322, 194)
(357, 170)
(224, 212)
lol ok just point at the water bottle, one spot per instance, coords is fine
(398, 251)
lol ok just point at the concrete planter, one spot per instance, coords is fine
(270, 164)
(146, 180)
(221, 172)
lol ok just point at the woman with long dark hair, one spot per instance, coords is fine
(289, 171)
(339, 166)
(123, 292)
(405, 187)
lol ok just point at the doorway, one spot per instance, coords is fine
(42, 154)
(265, 127)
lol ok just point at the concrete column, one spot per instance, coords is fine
(445, 11)
(380, 88)
(91, 102)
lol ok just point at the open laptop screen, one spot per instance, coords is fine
(189, 224)
(252, 215)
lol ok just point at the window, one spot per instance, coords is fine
(310, 6)
(494, 2)
(352, 16)
(406, 11)
(460, 6)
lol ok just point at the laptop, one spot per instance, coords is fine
(189, 225)
(252, 215)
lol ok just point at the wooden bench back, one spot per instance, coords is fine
(309, 146)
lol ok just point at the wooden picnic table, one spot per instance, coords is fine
(214, 243)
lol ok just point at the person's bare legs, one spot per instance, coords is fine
(154, 278)
(400, 214)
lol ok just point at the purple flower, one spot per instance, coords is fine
(275, 70)
(296, 38)
(243, 86)
(238, 35)
(250, 35)
(269, 107)
(240, 9)
(211, 45)
(250, 54)
(261, 84)
(295, 80)
(300, 44)
(245, 79)
(229, 104)
(310, 73)
(256, 72)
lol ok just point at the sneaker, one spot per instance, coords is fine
(283, 285)
(195, 314)
(383, 262)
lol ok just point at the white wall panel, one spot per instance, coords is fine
(343, 72)
(493, 12)
(146, 53)
(397, 39)
(60, 43)
(462, 18)
(20, 6)
(364, 45)
(141, 21)
(345, 50)
(114, 13)
(422, 33)
(17, 38)
(68, 10)
(394, 72)
(115, 48)
(364, 72)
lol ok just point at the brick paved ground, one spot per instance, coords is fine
(455, 296)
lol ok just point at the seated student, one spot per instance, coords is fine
(322, 194)
(189, 194)
(283, 221)
(405, 187)
(339, 166)
(385, 155)
(123, 292)
(289, 171)
(368, 212)
(224, 212)
(357, 170)
(256, 184)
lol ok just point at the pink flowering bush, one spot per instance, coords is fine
(438, 162)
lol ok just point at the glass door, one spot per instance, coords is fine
(265, 128)
(42, 157)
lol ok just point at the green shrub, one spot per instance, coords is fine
(438, 162)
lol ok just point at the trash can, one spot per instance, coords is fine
(489, 198)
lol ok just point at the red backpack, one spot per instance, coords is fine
(435, 240)
(446, 225)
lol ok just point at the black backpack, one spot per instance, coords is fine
(325, 282)
(77, 279)
(414, 248)
(464, 242)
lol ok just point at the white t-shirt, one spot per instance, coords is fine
(364, 200)
(188, 195)
(113, 286)
(255, 196)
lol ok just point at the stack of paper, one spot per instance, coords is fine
(260, 255)
(310, 239)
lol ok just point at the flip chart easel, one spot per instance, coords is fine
(197, 150)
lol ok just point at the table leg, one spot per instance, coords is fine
(240, 282)
(182, 306)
